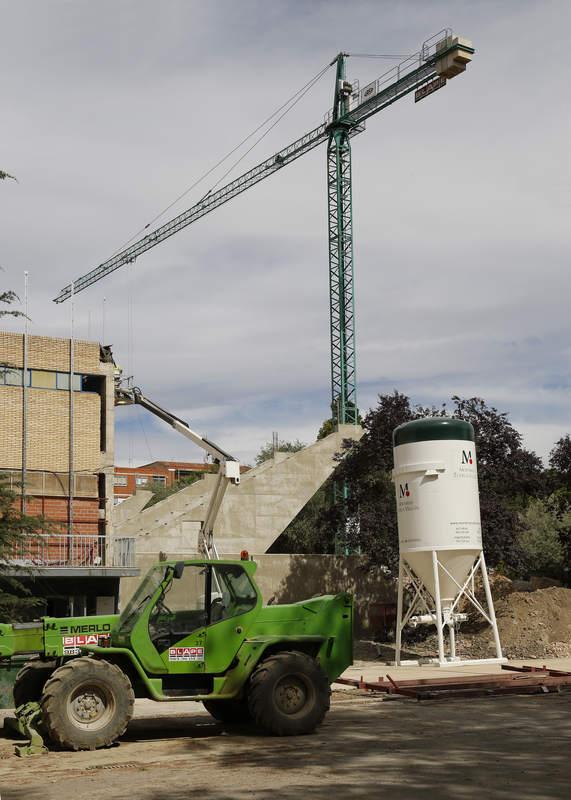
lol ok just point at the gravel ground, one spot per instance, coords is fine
(504, 747)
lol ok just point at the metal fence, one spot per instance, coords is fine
(75, 550)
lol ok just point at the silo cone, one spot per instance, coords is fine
(440, 533)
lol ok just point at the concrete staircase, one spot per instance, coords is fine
(253, 514)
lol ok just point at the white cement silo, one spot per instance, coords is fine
(440, 533)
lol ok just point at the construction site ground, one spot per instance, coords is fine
(370, 746)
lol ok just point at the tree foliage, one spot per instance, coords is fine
(560, 459)
(15, 599)
(161, 492)
(540, 540)
(267, 450)
(15, 526)
(519, 506)
(7, 298)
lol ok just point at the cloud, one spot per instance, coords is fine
(461, 208)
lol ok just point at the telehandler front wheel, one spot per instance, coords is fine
(289, 694)
(87, 704)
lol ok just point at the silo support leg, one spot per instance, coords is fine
(490, 602)
(399, 613)
(452, 635)
(439, 626)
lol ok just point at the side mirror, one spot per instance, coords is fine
(178, 569)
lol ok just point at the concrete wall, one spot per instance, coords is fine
(290, 578)
(253, 514)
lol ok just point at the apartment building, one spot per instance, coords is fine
(156, 474)
(57, 451)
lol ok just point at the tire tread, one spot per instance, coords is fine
(262, 710)
(51, 704)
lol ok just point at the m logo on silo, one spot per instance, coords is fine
(467, 457)
(403, 490)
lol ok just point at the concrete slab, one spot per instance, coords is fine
(372, 670)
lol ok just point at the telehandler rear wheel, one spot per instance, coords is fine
(289, 694)
(229, 711)
(30, 681)
(87, 704)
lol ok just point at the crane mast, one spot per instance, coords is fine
(340, 226)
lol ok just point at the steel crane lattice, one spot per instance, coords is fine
(351, 108)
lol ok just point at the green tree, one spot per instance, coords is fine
(311, 531)
(330, 425)
(161, 492)
(371, 523)
(15, 599)
(540, 540)
(15, 527)
(508, 475)
(267, 450)
(7, 298)
(560, 460)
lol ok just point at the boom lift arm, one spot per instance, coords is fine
(228, 466)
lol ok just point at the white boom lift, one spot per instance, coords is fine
(228, 466)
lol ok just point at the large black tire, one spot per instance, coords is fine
(229, 711)
(30, 681)
(87, 704)
(288, 694)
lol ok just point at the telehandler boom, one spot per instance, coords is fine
(228, 467)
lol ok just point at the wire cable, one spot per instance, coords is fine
(142, 425)
(292, 100)
(379, 55)
(263, 136)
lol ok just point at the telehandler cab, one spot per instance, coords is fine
(193, 630)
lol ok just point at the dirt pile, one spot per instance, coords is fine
(532, 624)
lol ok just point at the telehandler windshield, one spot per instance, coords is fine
(143, 594)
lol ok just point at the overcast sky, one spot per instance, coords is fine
(462, 207)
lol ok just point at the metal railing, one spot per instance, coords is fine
(56, 550)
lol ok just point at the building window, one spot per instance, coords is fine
(141, 481)
(62, 381)
(46, 379)
(42, 379)
(120, 480)
(159, 479)
(11, 376)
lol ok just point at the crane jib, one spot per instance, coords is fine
(399, 81)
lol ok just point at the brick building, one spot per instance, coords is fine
(57, 447)
(156, 474)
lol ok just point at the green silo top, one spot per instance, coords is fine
(433, 429)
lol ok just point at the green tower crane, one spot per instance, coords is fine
(442, 56)
(340, 226)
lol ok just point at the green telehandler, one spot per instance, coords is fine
(193, 630)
